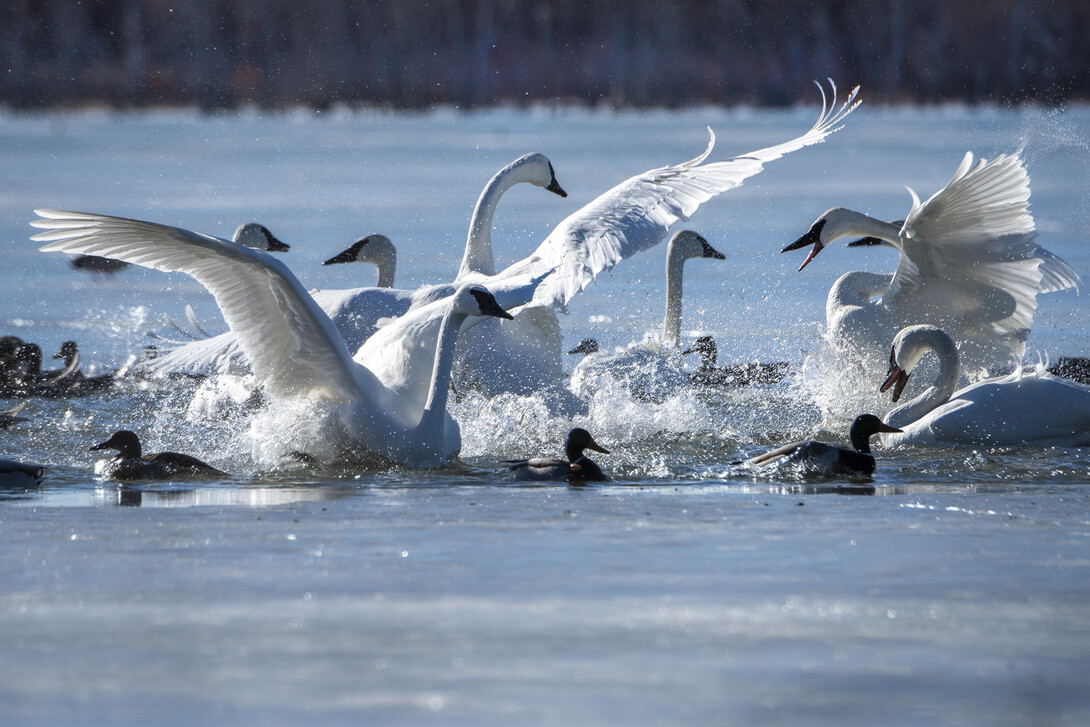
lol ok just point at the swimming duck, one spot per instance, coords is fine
(734, 375)
(131, 464)
(830, 460)
(576, 468)
(8, 418)
(28, 379)
(16, 474)
(79, 384)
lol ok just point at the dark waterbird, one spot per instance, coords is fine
(830, 460)
(576, 468)
(131, 464)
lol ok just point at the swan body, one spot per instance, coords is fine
(968, 262)
(576, 468)
(829, 460)
(131, 464)
(295, 349)
(1022, 408)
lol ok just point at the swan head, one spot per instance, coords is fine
(686, 244)
(251, 234)
(577, 441)
(473, 300)
(866, 426)
(833, 225)
(375, 249)
(126, 443)
(909, 346)
(587, 345)
(537, 170)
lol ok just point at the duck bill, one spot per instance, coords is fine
(897, 379)
(97, 447)
(596, 447)
(883, 427)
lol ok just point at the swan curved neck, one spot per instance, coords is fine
(849, 223)
(671, 323)
(436, 407)
(478, 257)
(386, 269)
(939, 392)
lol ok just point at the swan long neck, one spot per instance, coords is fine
(945, 383)
(849, 223)
(436, 407)
(478, 257)
(387, 266)
(671, 323)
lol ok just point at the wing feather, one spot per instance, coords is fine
(292, 344)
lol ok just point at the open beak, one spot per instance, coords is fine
(813, 237)
(897, 379)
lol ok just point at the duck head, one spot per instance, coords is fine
(864, 427)
(126, 443)
(577, 441)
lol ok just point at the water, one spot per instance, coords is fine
(951, 589)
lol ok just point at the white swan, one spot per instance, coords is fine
(293, 346)
(650, 370)
(1023, 408)
(357, 311)
(968, 263)
(633, 216)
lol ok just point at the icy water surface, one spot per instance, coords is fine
(950, 589)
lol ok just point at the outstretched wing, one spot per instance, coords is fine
(292, 344)
(970, 249)
(637, 214)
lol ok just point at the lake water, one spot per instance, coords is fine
(954, 588)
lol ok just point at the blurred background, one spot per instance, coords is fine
(472, 53)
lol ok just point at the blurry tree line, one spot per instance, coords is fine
(413, 53)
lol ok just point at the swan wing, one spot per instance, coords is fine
(291, 343)
(969, 252)
(637, 213)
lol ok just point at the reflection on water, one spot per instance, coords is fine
(208, 496)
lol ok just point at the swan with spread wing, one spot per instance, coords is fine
(292, 344)
(968, 262)
(633, 216)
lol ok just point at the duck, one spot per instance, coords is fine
(17, 475)
(649, 370)
(356, 312)
(97, 266)
(576, 468)
(27, 378)
(1021, 408)
(131, 464)
(734, 375)
(10, 418)
(298, 356)
(830, 460)
(81, 384)
(968, 262)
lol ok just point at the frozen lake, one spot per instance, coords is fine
(953, 591)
